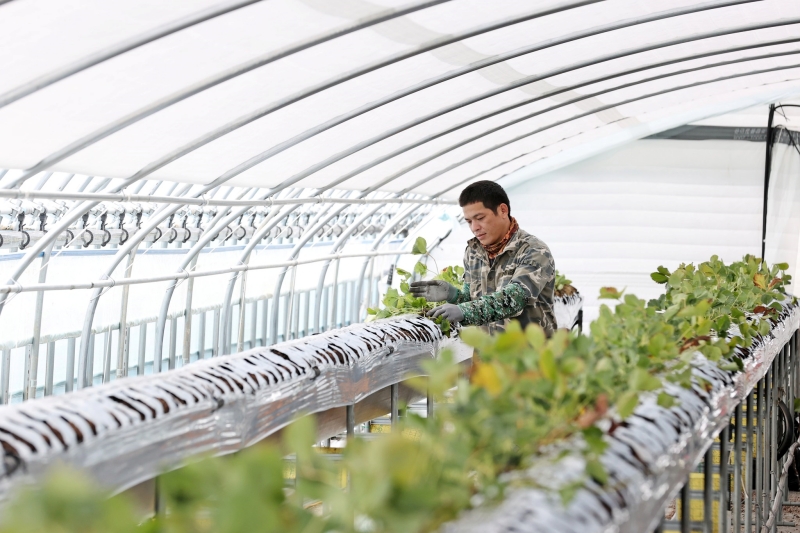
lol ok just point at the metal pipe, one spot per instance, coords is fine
(173, 339)
(106, 357)
(350, 420)
(686, 515)
(122, 349)
(260, 61)
(748, 477)
(737, 470)
(723, 478)
(6, 370)
(70, 377)
(201, 336)
(17, 194)
(215, 335)
(290, 309)
(334, 298)
(49, 368)
(393, 403)
(708, 490)
(29, 391)
(760, 421)
(142, 349)
(187, 321)
(242, 311)
(238, 70)
(115, 50)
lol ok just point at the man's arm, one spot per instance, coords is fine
(534, 269)
(508, 302)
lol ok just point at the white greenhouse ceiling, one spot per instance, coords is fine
(403, 96)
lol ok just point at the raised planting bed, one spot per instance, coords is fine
(132, 429)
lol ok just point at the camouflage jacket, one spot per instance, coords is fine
(518, 284)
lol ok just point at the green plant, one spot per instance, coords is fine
(402, 302)
(528, 397)
(561, 282)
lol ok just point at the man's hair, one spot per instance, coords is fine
(490, 193)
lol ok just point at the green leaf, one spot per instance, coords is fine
(797, 405)
(658, 277)
(642, 380)
(597, 471)
(594, 440)
(474, 337)
(405, 274)
(535, 335)
(404, 288)
(420, 247)
(627, 403)
(547, 364)
(420, 268)
(610, 293)
(665, 400)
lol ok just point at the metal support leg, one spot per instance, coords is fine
(70, 378)
(429, 402)
(173, 339)
(759, 442)
(708, 488)
(107, 356)
(142, 347)
(748, 473)
(201, 335)
(686, 515)
(724, 438)
(393, 399)
(215, 336)
(350, 416)
(737, 471)
(6, 370)
(49, 367)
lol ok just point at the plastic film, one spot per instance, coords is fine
(132, 429)
(649, 457)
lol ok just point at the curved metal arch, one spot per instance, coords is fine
(315, 226)
(397, 95)
(528, 116)
(214, 227)
(524, 81)
(78, 210)
(238, 70)
(520, 156)
(403, 215)
(517, 84)
(84, 63)
(582, 115)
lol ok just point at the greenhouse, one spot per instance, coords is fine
(399, 266)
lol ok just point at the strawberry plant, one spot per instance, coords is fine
(529, 396)
(563, 285)
(402, 302)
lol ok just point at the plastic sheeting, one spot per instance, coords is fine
(419, 96)
(128, 431)
(648, 459)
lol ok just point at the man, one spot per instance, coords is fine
(509, 273)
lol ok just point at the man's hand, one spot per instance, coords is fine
(451, 312)
(434, 290)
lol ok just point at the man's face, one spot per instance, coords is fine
(487, 226)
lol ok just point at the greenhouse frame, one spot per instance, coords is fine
(204, 206)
